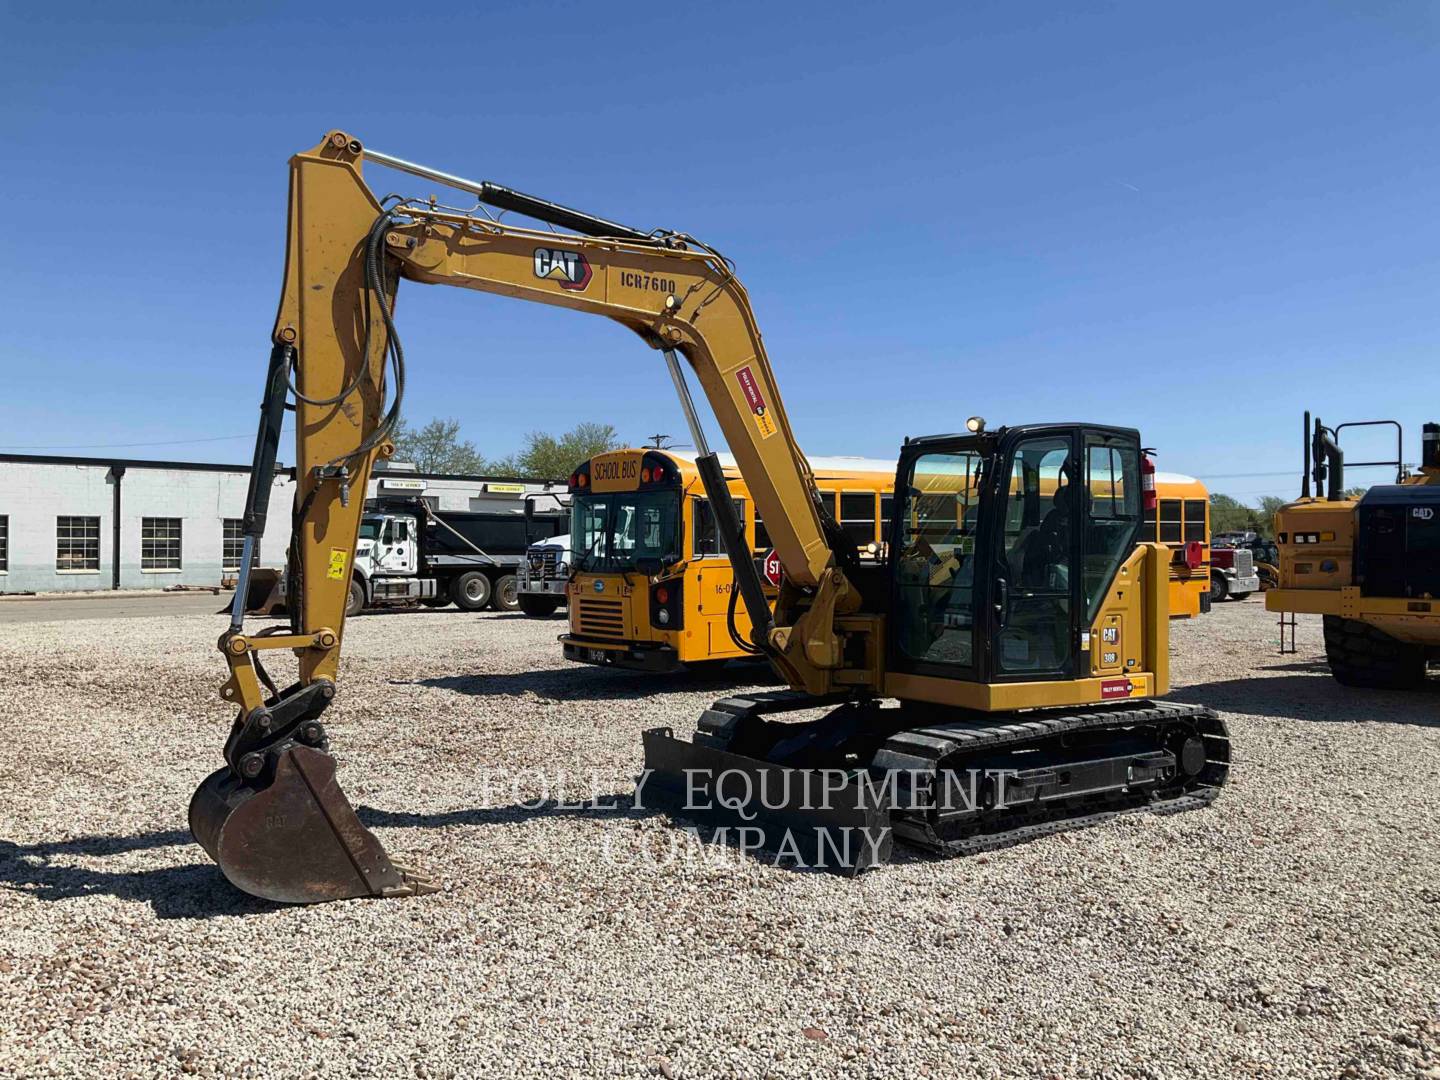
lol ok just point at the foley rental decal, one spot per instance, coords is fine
(570, 268)
(751, 389)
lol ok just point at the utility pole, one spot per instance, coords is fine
(661, 442)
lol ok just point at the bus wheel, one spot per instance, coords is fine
(507, 594)
(471, 591)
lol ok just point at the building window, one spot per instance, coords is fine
(159, 543)
(4, 543)
(77, 544)
(233, 544)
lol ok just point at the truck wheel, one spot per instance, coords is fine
(1239, 595)
(538, 606)
(1362, 655)
(1219, 588)
(507, 594)
(436, 601)
(472, 591)
(355, 601)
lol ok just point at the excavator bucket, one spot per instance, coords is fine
(264, 593)
(291, 836)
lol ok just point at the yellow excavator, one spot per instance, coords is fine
(991, 681)
(1369, 565)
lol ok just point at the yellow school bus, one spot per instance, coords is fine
(650, 586)
(1181, 520)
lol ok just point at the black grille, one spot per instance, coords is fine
(600, 618)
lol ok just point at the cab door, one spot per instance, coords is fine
(1032, 607)
(397, 546)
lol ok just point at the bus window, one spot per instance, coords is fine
(857, 516)
(828, 498)
(1170, 526)
(1150, 530)
(1195, 519)
(707, 540)
(887, 514)
(762, 538)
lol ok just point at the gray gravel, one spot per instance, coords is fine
(1291, 930)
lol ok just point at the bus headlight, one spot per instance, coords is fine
(663, 617)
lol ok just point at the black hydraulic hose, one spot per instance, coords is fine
(734, 631)
(732, 540)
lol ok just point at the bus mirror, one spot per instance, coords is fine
(650, 567)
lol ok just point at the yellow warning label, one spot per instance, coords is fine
(337, 565)
(765, 424)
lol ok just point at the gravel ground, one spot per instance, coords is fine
(1293, 929)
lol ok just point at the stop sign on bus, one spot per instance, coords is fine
(773, 570)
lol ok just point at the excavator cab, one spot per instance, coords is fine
(1007, 544)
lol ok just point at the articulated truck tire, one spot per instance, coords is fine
(1361, 655)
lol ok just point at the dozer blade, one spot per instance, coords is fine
(294, 837)
(822, 819)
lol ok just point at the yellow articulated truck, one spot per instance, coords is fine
(651, 586)
(1370, 566)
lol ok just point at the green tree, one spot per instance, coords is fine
(437, 448)
(1354, 493)
(1269, 506)
(546, 457)
(1228, 514)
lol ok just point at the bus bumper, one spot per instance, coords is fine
(653, 658)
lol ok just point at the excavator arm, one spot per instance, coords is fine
(337, 353)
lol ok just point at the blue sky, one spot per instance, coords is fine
(1198, 219)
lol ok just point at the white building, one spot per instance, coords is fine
(78, 523)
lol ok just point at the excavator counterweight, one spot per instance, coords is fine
(989, 680)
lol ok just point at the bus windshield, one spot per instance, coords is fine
(609, 533)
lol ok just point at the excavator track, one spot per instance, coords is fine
(1038, 801)
(955, 788)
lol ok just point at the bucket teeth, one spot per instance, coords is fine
(415, 882)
